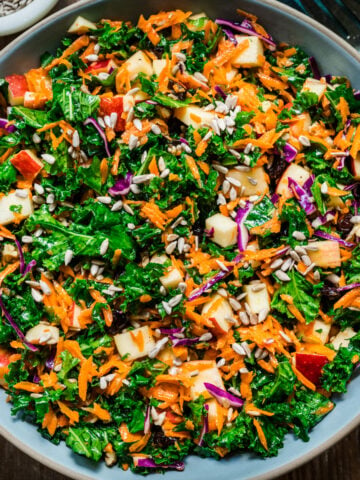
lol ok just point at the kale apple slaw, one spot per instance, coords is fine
(179, 222)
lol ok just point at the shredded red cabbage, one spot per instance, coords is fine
(222, 396)
(4, 123)
(213, 281)
(243, 234)
(230, 36)
(274, 198)
(171, 331)
(315, 68)
(328, 236)
(122, 186)
(14, 325)
(21, 256)
(101, 132)
(220, 91)
(302, 195)
(347, 287)
(205, 427)
(149, 463)
(184, 342)
(289, 152)
(357, 94)
(246, 27)
(209, 233)
(29, 267)
(323, 219)
(147, 424)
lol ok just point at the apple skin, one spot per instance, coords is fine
(355, 165)
(311, 365)
(110, 105)
(4, 363)
(27, 163)
(17, 88)
(101, 66)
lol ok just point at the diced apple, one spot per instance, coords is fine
(310, 365)
(101, 66)
(34, 100)
(159, 65)
(253, 247)
(166, 355)
(256, 174)
(297, 173)
(17, 88)
(257, 300)
(253, 55)
(194, 116)
(43, 334)
(27, 163)
(172, 279)
(224, 230)
(12, 200)
(205, 375)
(231, 74)
(327, 254)
(109, 105)
(315, 332)
(135, 344)
(220, 315)
(74, 323)
(216, 414)
(343, 338)
(355, 164)
(10, 253)
(138, 63)
(4, 363)
(81, 25)
(314, 86)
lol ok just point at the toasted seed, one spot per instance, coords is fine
(277, 263)
(155, 129)
(238, 349)
(105, 200)
(68, 256)
(233, 194)
(300, 250)
(206, 337)
(225, 186)
(263, 314)
(355, 219)
(285, 337)
(92, 58)
(165, 173)
(167, 307)
(286, 265)
(138, 124)
(294, 256)
(235, 305)
(298, 235)
(220, 168)
(175, 300)
(94, 269)
(244, 318)
(37, 296)
(117, 206)
(50, 159)
(324, 188)
(304, 141)
(246, 348)
(104, 246)
(306, 259)
(284, 277)
(258, 287)
(75, 139)
(221, 363)
(133, 142)
(171, 247)
(128, 209)
(36, 138)
(142, 178)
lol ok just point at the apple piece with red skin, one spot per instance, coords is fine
(109, 105)
(27, 163)
(311, 365)
(4, 363)
(16, 90)
(101, 66)
(75, 312)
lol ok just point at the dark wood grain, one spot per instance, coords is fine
(341, 462)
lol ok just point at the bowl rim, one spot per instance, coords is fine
(277, 471)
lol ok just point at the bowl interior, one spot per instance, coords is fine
(334, 56)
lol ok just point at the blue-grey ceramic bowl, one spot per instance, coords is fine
(334, 56)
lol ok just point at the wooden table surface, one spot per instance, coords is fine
(341, 462)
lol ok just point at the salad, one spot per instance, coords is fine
(179, 222)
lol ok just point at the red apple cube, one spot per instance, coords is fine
(27, 163)
(311, 365)
(4, 363)
(17, 88)
(109, 105)
(101, 66)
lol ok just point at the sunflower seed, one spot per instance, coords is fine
(244, 318)
(133, 142)
(143, 178)
(37, 296)
(285, 337)
(75, 139)
(286, 265)
(104, 246)
(263, 314)
(36, 138)
(104, 200)
(117, 206)
(298, 235)
(50, 159)
(171, 247)
(238, 349)
(233, 181)
(284, 277)
(324, 188)
(165, 173)
(175, 300)
(221, 363)
(92, 58)
(128, 209)
(68, 256)
(220, 168)
(206, 337)
(234, 304)
(246, 348)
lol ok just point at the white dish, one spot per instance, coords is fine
(25, 17)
